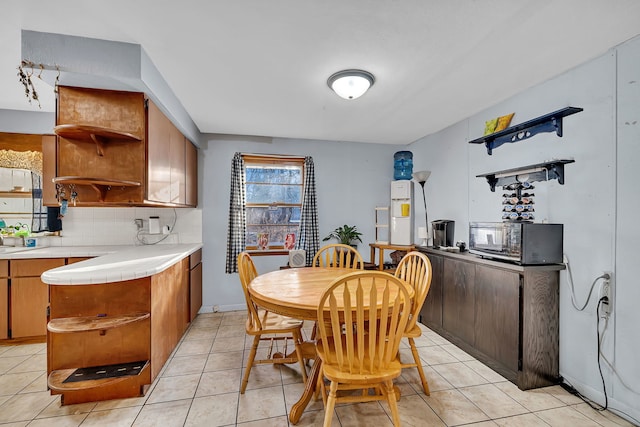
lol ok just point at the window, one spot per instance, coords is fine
(273, 188)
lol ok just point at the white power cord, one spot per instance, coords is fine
(143, 240)
(573, 292)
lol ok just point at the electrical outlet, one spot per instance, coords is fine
(606, 291)
(138, 222)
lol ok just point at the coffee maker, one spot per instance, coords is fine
(443, 232)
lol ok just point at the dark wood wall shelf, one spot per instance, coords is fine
(95, 134)
(551, 122)
(539, 172)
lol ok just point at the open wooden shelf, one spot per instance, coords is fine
(551, 122)
(84, 324)
(100, 185)
(15, 194)
(98, 389)
(95, 134)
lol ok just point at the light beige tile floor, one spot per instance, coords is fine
(199, 386)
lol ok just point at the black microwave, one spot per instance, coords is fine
(524, 243)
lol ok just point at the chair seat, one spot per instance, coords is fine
(332, 370)
(273, 323)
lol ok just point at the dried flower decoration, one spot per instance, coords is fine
(25, 79)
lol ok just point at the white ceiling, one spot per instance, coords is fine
(258, 67)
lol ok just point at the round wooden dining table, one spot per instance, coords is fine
(296, 293)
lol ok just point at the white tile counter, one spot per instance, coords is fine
(111, 263)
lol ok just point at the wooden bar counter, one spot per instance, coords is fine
(114, 321)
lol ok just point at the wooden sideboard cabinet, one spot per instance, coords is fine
(116, 148)
(505, 315)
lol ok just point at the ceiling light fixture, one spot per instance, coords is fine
(351, 84)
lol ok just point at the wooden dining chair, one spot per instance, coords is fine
(267, 326)
(415, 269)
(359, 340)
(338, 256)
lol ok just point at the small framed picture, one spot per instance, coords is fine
(263, 241)
(290, 241)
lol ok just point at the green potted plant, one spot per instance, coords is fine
(346, 235)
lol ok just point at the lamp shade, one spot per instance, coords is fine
(421, 176)
(350, 84)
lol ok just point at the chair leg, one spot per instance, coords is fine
(297, 342)
(331, 403)
(416, 358)
(252, 356)
(391, 401)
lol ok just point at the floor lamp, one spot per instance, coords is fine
(423, 232)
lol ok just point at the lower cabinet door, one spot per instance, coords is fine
(431, 312)
(458, 299)
(195, 291)
(498, 315)
(29, 300)
(4, 309)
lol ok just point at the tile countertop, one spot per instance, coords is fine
(111, 263)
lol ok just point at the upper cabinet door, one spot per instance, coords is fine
(158, 156)
(192, 174)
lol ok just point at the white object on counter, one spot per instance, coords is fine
(154, 225)
(36, 242)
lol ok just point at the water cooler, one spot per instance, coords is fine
(402, 216)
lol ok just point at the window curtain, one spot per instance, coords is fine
(39, 217)
(236, 235)
(309, 232)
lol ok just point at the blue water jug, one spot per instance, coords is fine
(402, 165)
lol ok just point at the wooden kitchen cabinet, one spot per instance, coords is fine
(49, 170)
(168, 165)
(497, 301)
(195, 284)
(191, 177)
(116, 148)
(458, 299)
(140, 320)
(29, 297)
(431, 312)
(503, 314)
(4, 299)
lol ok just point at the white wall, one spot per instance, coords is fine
(351, 180)
(625, 338)
(597, 191)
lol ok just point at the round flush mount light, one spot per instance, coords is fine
(351, 84)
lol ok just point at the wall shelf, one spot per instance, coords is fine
(94, 323)
(16, 194)
(539, 172)
(95, 134)
(551, 122)
(100, 185)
